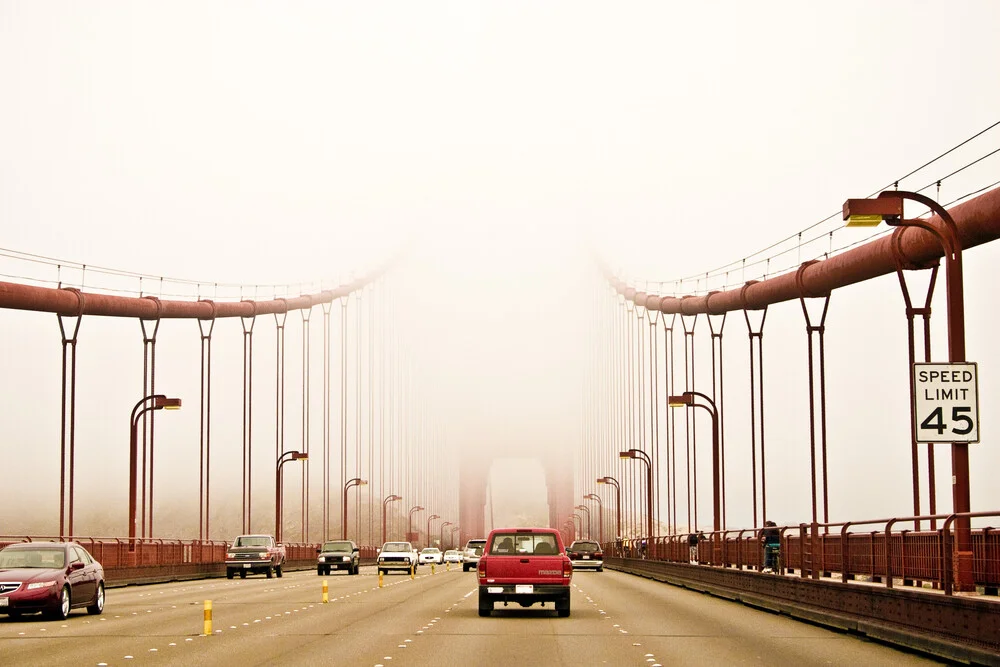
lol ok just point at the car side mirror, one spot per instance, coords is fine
(319, 551)
(78, 565)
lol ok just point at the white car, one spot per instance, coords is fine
(431, 555)
(396, 556)
(452, 556)
(473, 550)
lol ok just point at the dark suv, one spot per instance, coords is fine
(338, 555)
(586, 553)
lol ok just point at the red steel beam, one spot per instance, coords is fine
(978, 222)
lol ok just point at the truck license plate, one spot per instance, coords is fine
(524, 588)
(246, 566)
(4, 602)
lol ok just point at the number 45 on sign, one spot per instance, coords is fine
(946, 402)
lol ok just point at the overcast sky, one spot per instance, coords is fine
(293, 142)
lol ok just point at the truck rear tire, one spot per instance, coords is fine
(243, 574)
(277, 571)
(562, 606)
(269, 572)
(485, 605)
(230, 573)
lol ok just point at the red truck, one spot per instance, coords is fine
(524, 565)
(254, 553)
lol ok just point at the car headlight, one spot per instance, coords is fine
(35, 585)
(347, 559)
(262, 554)
(322, 559)
(230, 555)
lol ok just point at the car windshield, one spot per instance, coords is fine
(41, 558)
(450, 552)
(344, 547)
(524, 543)
(476, 546)
(397, 546)
(252, 541)
(589, 547)
(431, 550)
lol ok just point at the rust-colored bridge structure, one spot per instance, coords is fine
(366, 446)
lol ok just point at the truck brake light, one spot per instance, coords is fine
(567, 569)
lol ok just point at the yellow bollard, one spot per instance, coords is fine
(413, 572)
(208, 618)
(326, 592)
(447, 566)
(380, 576)
(432, 568)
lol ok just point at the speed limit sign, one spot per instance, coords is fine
(946, 402)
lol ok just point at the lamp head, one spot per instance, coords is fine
(362, 482)
(871, 212)
(629, 454)
(164, 403)
(299, 456)
(677, 401)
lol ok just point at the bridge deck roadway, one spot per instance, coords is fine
(617, 619)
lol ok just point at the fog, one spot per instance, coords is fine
(228, 151)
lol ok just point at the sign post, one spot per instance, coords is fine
(946, 402)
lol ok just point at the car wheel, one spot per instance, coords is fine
(357, 568)
(98, 606)
(243, 574)
(229, 573)
(277, 571)
(465, 568)
(62, 610)
(485, 605)
(562, 607)
(269, 572)
(600, 569)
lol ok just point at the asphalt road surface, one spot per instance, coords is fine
(616, 619)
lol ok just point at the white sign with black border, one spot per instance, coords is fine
(946, 402)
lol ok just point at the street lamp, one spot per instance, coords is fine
(641, 455)
(443, 524)
(292, 456)
(429, 519)
(889, 207)
(687, 399)
(587, 510)
(600, 515)
(415, 508)
(357, 481)
(156, 402)
(388, 499)
(451, 538)
(618, 503)
(579, 518)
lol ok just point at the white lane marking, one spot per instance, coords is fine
(172, 644)
(189, 639)
(153, 650)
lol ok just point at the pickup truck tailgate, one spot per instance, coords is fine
(520, 568)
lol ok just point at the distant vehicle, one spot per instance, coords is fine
(431, 555)
(524, 565)
(396, 556)
(473, 550)
(586, 554)
(49, 577)
(338, 555)
(251, 554)
(452, 556)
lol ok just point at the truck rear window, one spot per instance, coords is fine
(520, 544)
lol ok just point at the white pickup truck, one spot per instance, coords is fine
(396, 556)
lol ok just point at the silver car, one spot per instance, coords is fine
(470, 557)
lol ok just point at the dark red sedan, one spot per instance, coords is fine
(49, 577)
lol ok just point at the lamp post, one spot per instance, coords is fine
(688, 398)
(356, 481)
(642, 456)
(589, 526)
(429, 519)
(451, 538)
(443, 524)
(888, 207)
(618, 503)
(291, 456)
(388, 499)
(600, 515)
(579, 518)
(415, 508)
(155, 402)
(570, 527)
